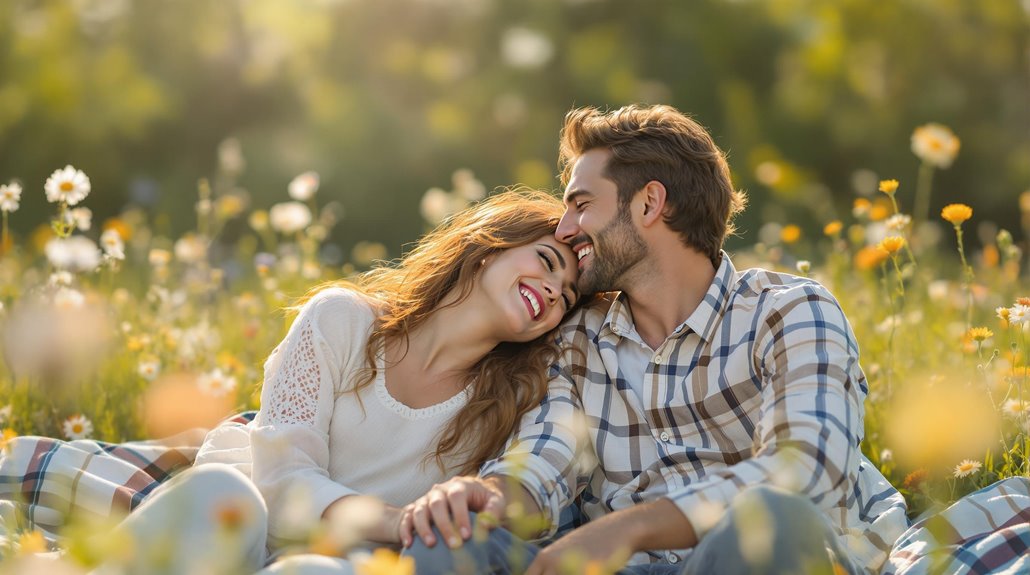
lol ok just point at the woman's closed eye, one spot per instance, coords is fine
(551, 266)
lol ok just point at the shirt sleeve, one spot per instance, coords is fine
(542, 455)
(810, 421)
(290, 438)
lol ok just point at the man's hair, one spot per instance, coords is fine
(660, 143)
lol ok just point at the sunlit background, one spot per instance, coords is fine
(814, 100)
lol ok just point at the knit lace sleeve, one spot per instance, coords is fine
(294, 384)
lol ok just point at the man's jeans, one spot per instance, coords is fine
(765, 531)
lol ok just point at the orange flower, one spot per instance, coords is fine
(892, 244)
(915, 479)
(833, 228)
(956, 213)
(870, 257)
(979, 333)
(889, 186)
(790, 234)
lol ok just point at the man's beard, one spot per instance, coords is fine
(620, 248)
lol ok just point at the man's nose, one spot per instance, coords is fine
(566, 230)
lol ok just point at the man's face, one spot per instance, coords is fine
(599, 230)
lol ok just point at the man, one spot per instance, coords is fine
(723, 409)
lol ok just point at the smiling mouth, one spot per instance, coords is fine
(584, 251)
(532, 299)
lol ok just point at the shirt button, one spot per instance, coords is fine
(658, 360)
(673, 558)
(664, 436)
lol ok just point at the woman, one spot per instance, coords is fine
(414, 374)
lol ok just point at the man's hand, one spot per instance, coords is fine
(447, 505)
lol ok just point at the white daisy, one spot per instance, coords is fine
(10, 195)
(77, 427)
(149, 369)
(304, 186)
(67, 185)
(216, 384)
(289, 217)
(77, 253)
(112, 243)
(81, 217)
(967, 468)
(1018, 314)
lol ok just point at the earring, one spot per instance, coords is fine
(482, 262)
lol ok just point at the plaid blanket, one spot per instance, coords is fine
(44, 480)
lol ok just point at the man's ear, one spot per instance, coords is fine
(652, 197)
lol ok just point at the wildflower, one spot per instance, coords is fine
(967, 468)
(956, 213)
(804, 266)
(6, 436)
(149, 369)
(32, 542)
(1023, 301)
(889, 186)
(258, 220)
(870, 257)
(898, 222)
(289, 217)
(891, 244)
(790, 234)
(833, 228)
(159, 258)
(935, 144)
(861, 207)
(978, 334)
(216, 384)
(914, 480)
(67, 298)
(77, 253)
(121, 226)
(5, 413)
(1016, 407)
(386, 562)
(304, 186)
(886, 456)
(1003, 313)
(77, 427)
(111, 240)
(82, 218)
(10, 195)
(879, 211)
(190, 249)
(1018, 314)
(67, 185)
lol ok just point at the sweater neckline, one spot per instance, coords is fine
(391, 403)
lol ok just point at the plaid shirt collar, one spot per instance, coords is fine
(619, 320)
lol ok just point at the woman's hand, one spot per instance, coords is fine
(447, 505)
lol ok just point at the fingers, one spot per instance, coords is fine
(421, 519)
(405, 527)
(458, 498)
(440, 508)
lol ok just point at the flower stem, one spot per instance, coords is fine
(967, 277)
(924, 184)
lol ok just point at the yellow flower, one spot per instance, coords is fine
(889, 186)
(790, 234)
(833, 228)
(892, 244)
(880, 211)
(5, 438)
(956, 213)
(386, 562)
(935, 144)
(861, 207)
(31, 542)
(980, 333)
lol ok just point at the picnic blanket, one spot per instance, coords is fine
(43, 480)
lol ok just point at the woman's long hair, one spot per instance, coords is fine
(512, 378)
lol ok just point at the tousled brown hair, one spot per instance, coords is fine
(660, 143)
(512, 378)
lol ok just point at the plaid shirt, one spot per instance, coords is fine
(760, 385)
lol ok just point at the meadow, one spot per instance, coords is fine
(115, 331)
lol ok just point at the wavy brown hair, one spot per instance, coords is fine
(512, 378)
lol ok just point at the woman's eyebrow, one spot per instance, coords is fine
(561, 260)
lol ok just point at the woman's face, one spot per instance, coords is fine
(532, 287)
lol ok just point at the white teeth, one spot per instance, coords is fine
(584, 252)
(532, 301)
